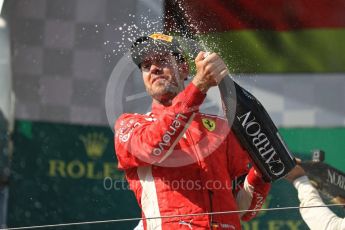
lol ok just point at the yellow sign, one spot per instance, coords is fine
(78, 169)
(163, 37)
(95, 144)
(273, 225)
(209, 124)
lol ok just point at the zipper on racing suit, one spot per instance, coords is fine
(213, 226)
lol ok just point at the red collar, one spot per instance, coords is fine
(157, 108)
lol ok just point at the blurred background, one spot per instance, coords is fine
(64, 80)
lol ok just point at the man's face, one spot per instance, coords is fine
(163, 77)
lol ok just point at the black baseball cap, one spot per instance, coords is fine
(156, 43)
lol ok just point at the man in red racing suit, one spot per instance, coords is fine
(182, 164)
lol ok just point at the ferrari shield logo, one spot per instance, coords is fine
(209, 124)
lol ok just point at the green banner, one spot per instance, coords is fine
(67, 173)
(301, 51)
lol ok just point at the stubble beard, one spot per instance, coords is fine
(165, 92)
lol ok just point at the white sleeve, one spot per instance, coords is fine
(316, 218)
(244, 197)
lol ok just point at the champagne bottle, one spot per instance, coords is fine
(327, 179)
(256, 131)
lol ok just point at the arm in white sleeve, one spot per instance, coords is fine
(316, 218)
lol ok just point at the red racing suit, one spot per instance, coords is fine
(179, 161)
